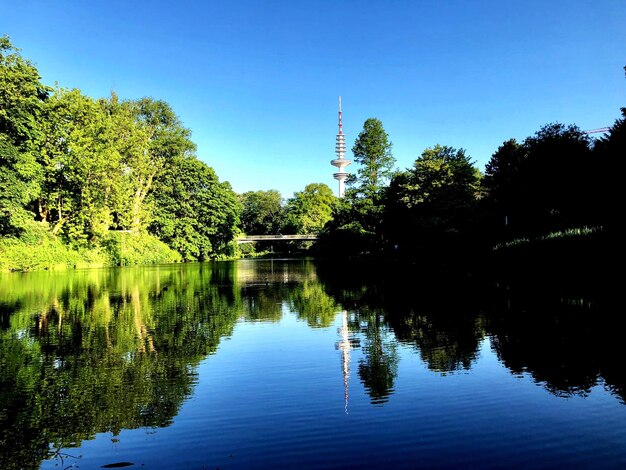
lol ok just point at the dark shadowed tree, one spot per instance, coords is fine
(609, 154)
(554, 178)
(544, 184)
(502, 188)
(435, 198)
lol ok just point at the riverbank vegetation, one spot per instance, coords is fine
(103, 181)
(110, 181)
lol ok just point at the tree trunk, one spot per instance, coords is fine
(43, 212)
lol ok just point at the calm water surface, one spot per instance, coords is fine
(284, 363)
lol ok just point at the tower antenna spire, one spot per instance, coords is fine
(340, 162)
(340, 122)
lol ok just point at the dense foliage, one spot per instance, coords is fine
(306, 212)
(262, 212)
(193, 212)
(372, 151)
(22, 97)
(434, 199)
(309, 210)
(85, 168)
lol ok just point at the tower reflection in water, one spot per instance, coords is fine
(345, 345)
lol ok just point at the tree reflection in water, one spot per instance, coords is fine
(86, 352)
(561, 331)
(101, 351)
(566, 338)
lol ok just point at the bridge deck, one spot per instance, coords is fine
(278, 237)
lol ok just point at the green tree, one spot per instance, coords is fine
(435, 197)
(167, 139)
(372, 151)
(262, 212)
(22, 96)
(194, 213)
(81, 157)
(309, 210)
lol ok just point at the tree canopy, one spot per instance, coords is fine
(22, 98)
(372, 151)
(85, 167)
(193, 212)
(435, 197)
(262, 212)
(310, 209)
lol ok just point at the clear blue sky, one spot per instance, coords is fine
(257, 81)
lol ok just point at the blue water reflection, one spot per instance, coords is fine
(282, 364)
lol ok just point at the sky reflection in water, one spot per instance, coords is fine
(267, 363)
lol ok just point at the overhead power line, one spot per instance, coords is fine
(596, 131)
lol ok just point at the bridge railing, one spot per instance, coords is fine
(277, 237)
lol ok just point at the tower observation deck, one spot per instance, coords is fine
(340, 162)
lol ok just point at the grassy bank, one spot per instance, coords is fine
(577, 253)
(37, 248)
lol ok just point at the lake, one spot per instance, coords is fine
(292, 363)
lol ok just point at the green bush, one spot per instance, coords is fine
(124, 248)
(37, 248)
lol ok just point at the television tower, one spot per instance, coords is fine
(340, 162)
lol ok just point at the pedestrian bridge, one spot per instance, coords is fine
(275, 238)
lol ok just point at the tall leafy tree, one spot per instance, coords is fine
(502, 184)
(167, 139)
(554, 177)
(546, 183)
(81, 158)
(22, 96)
(372, 151)
(194, 213)
(356, 225)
